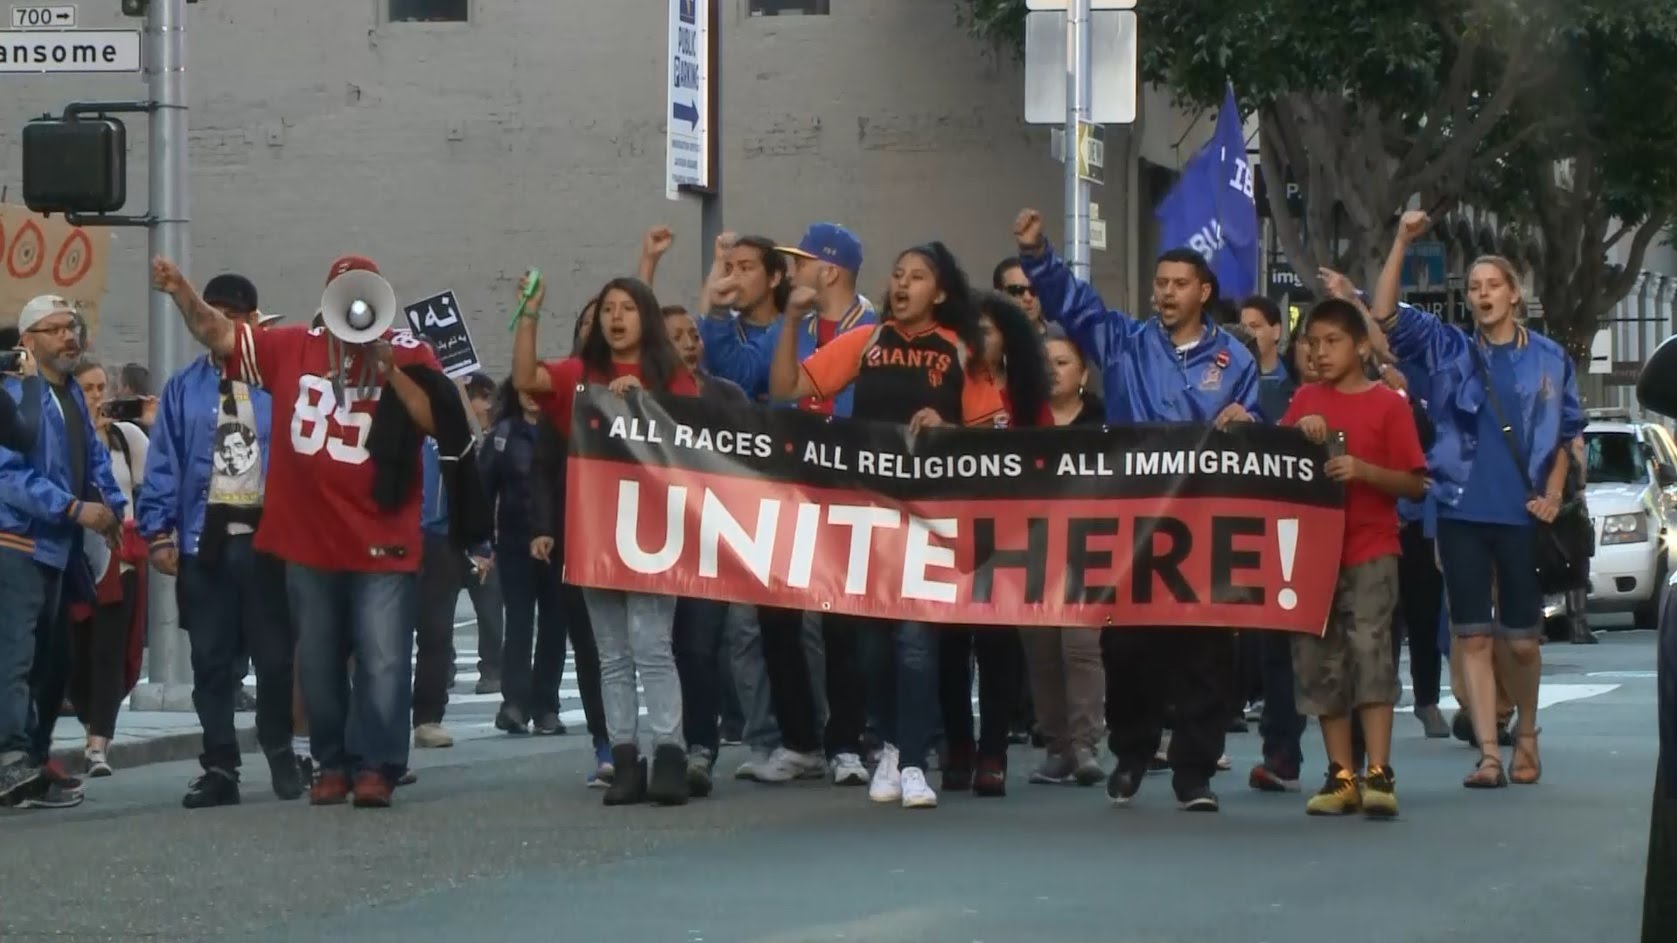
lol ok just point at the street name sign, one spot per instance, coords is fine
(69, 51)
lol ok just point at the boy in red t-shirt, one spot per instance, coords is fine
(1376, 451)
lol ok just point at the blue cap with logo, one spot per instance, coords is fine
(829, 242)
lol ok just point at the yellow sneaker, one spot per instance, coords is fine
(1338, 796)
(1380, 793)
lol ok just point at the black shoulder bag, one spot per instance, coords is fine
(1564, 546)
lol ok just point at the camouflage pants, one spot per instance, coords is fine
(1351, 665)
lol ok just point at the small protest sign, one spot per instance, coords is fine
(438, 320)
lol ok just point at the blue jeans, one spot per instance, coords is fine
(1281, 725)
(903, 687)
(31, 620)
(699, 627)
(751, 679)
(535, 625)
(370, 616)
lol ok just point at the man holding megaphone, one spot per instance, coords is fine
(353, 401)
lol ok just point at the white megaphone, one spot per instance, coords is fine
(358, 307)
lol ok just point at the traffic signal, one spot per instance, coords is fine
(75, 166)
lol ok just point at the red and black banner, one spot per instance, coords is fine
(1165, 525)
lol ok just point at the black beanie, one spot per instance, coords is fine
(234, 292)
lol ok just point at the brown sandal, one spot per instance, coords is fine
(1531, 773)
(1487, 775)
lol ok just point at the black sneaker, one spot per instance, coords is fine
(628, 783)
(549, 725)
(286, 775)
(216, 787)
(50, 794)
(1197, 799)
(305, 769)
(512, 720)
(669, 776)
(15, 776)
(699, 764)
(1123, 784)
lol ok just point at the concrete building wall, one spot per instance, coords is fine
(459, 155)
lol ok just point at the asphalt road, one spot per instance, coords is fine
(499, 840)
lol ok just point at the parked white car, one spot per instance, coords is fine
(1631, 485)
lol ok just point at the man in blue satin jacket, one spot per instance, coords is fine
(51, 497)
(198, 507)
(1177, 366)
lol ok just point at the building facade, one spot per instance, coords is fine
(459, 152)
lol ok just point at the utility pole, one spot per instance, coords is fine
(169, 665)
(1079, 95)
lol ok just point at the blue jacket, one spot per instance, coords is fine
(433, 519)
(1143, 376)
(506, 465)
(741, 352)
(37, 510)
(1448, 358)
(176, 488)
(735, 350)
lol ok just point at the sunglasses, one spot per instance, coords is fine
(1018, 291)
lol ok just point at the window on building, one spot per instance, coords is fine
(789, 7)
(430, 11)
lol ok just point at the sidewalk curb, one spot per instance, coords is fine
(169, 748)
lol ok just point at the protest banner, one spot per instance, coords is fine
(1168, 525)
(47, 256)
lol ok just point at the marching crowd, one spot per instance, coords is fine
(323, 493)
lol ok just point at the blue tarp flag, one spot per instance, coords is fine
(1211, 209)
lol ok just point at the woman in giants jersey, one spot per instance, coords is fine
(916, 367)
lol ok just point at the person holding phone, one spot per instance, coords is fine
(107, 635)
(50, 495)
(19, 418)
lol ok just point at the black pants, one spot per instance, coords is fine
(99, 661)
(232, 607)
(443, 572)
(1421, 597)
(1188, 669)
(535, 628)
(1248, 682)
(791, 689)
(699, 627)
(1280, 725)
(581, 632)
(1659, 894)
(996, 648)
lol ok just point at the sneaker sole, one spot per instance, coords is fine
(371, 803)
(882, 800)
(919, 803)
(20, 784)
(1200, 805)
(1037, 779)
(1272, 784)
(1092, 777)
(851, 779)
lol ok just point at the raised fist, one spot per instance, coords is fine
(166, 276)
(1413, 225)
(657, 241)
(1027, 230)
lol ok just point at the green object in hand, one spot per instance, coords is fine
(533, 280)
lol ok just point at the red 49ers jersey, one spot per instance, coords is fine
(319, 509)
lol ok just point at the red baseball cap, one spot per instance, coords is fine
(351, 263)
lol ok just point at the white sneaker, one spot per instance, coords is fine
(432, 737)
(1224, 763)
(887, 783)
(849, 771)
(786, 765)
(917, 793)
(757, 760)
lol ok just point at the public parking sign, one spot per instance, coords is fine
(37, 51)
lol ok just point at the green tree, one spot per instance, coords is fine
(1599, 174)
(1363, 103)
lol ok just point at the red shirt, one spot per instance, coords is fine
(1380, 430)
(825, 331)
(319, 509)
(566, 374)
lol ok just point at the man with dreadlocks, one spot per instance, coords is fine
(343, 507)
